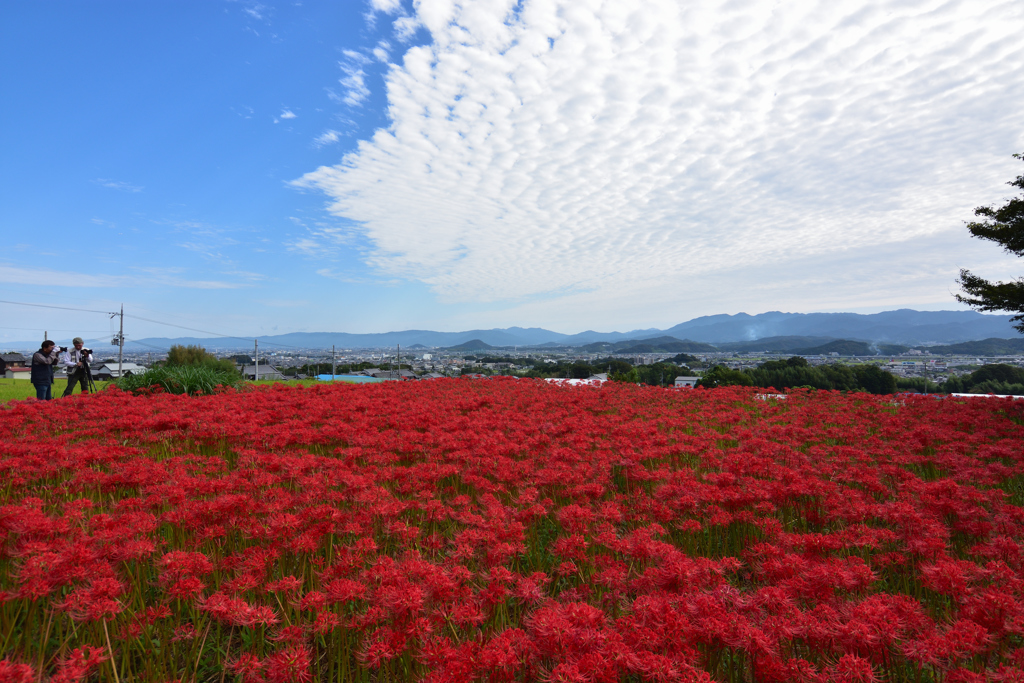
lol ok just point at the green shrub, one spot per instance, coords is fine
(181, 379)
(192, 356)
(875, 380)
(920, 385)
(723, 376)
(993, 386)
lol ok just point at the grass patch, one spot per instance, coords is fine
(290, 382)
(19, 389)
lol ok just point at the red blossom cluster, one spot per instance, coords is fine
(512, 530)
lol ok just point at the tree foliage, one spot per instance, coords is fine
(1003, 225)
(661, 374)
(195, 355)
(796, 372)
(997, 378)
(720, 376)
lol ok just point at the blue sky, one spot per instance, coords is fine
(257, 168)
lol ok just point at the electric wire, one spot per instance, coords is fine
(181, 327)
(148, 346)
(216, 334)
(36, 329)
(148, 320)
(60, 308)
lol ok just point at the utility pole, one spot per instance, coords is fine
(120, 343)
(256, 375)
(399, 361)
(334, 364)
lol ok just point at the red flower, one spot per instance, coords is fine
(291, 665)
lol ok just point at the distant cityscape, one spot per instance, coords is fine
(933, 346)
(485, 360)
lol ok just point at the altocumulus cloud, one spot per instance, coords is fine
(582, 149)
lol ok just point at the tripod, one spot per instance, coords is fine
(90, 386)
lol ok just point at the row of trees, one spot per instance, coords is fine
(797, 372)
(988, 379)
(657, 374)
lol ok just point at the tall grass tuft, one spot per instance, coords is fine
(182, 379)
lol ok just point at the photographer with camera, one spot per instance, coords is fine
(43, 361)
(76, 363)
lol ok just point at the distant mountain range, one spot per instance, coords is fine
(903, 326)
(663, 344)
(773, 331)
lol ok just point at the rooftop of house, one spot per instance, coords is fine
(125, 367)
(265, 370)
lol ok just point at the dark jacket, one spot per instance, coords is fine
(42, 366)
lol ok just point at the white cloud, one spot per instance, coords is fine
(169, 277)
(47, 277)
(320, 241)
(382, 52)
(567, 152)
(156, 278)
(257, 10)
(247, 274)
(386, 6)
(354, 79)
(307, 246)
(118, 185)
(288, 114)
(328, 137)
(405, 28)
(351, 279)
(285, 303)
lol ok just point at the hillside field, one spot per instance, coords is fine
(511, 530)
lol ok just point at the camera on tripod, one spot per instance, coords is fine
(84, 351)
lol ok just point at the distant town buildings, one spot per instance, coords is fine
(109, 371)
(265, 372)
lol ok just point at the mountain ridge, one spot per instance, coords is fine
(901, 326)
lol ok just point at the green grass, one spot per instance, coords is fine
(289, 382)
(18, 389)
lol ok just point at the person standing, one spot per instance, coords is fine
(76, 363)
(43, 361)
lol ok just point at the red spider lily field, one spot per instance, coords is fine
(511, 530)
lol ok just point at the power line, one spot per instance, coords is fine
(216, 334)
(151, 346)
(31, 329)
(190, 329)
(60, 308)
(148, 320)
